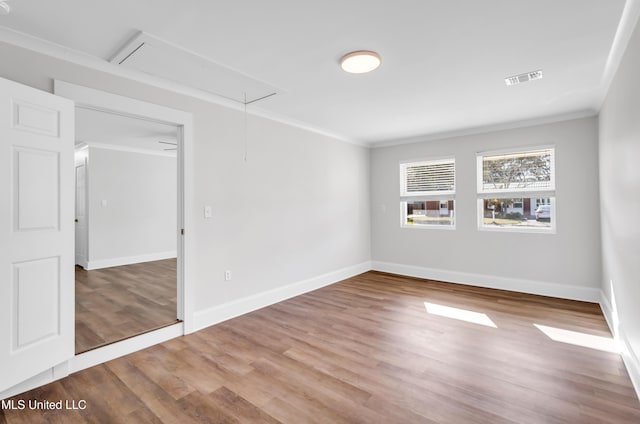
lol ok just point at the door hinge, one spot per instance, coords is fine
(182, 231)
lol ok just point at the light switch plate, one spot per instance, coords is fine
(208, 213)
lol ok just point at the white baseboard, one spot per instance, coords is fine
(607, 311)
(242, 306)
(95, 357)
(630, 358)
(631, 361)
(587, 294)
(128, 260)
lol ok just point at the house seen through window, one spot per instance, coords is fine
(516, 190)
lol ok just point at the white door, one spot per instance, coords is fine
(36, 232)
(81, 206)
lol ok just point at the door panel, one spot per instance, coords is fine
(35, 294)
(36, 119)
(36, 232)
(35, 191)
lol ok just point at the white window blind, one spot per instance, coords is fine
(428, 178)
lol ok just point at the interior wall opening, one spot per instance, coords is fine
(126, 224)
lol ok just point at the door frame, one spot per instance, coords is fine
(90, 98)
(82, 149)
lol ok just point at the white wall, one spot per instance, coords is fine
(138, 222)
(564, 264)
(620, 203)
(295, 211)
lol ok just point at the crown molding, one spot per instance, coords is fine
(487, 129)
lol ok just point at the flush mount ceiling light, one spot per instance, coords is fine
(4, 8)
(527, 76)
(360, 62)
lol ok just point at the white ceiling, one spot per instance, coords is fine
(444, 62)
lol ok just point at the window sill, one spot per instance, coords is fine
(428, 227)
(528, 230)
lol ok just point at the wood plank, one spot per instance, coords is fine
(364, 350)
(116, 303)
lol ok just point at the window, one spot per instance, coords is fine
(516, 190)
(427, 191)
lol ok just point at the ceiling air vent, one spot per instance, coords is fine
(160, 58)
(528, 76)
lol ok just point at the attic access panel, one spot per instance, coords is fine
(160, 58)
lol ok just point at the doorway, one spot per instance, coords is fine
(126, 221)
(180, 147)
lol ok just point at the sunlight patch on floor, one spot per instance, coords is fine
(606, 344)
(459, 314)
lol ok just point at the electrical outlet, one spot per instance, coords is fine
(227, 276)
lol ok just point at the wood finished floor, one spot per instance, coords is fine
(364, 350)
(113, 304)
